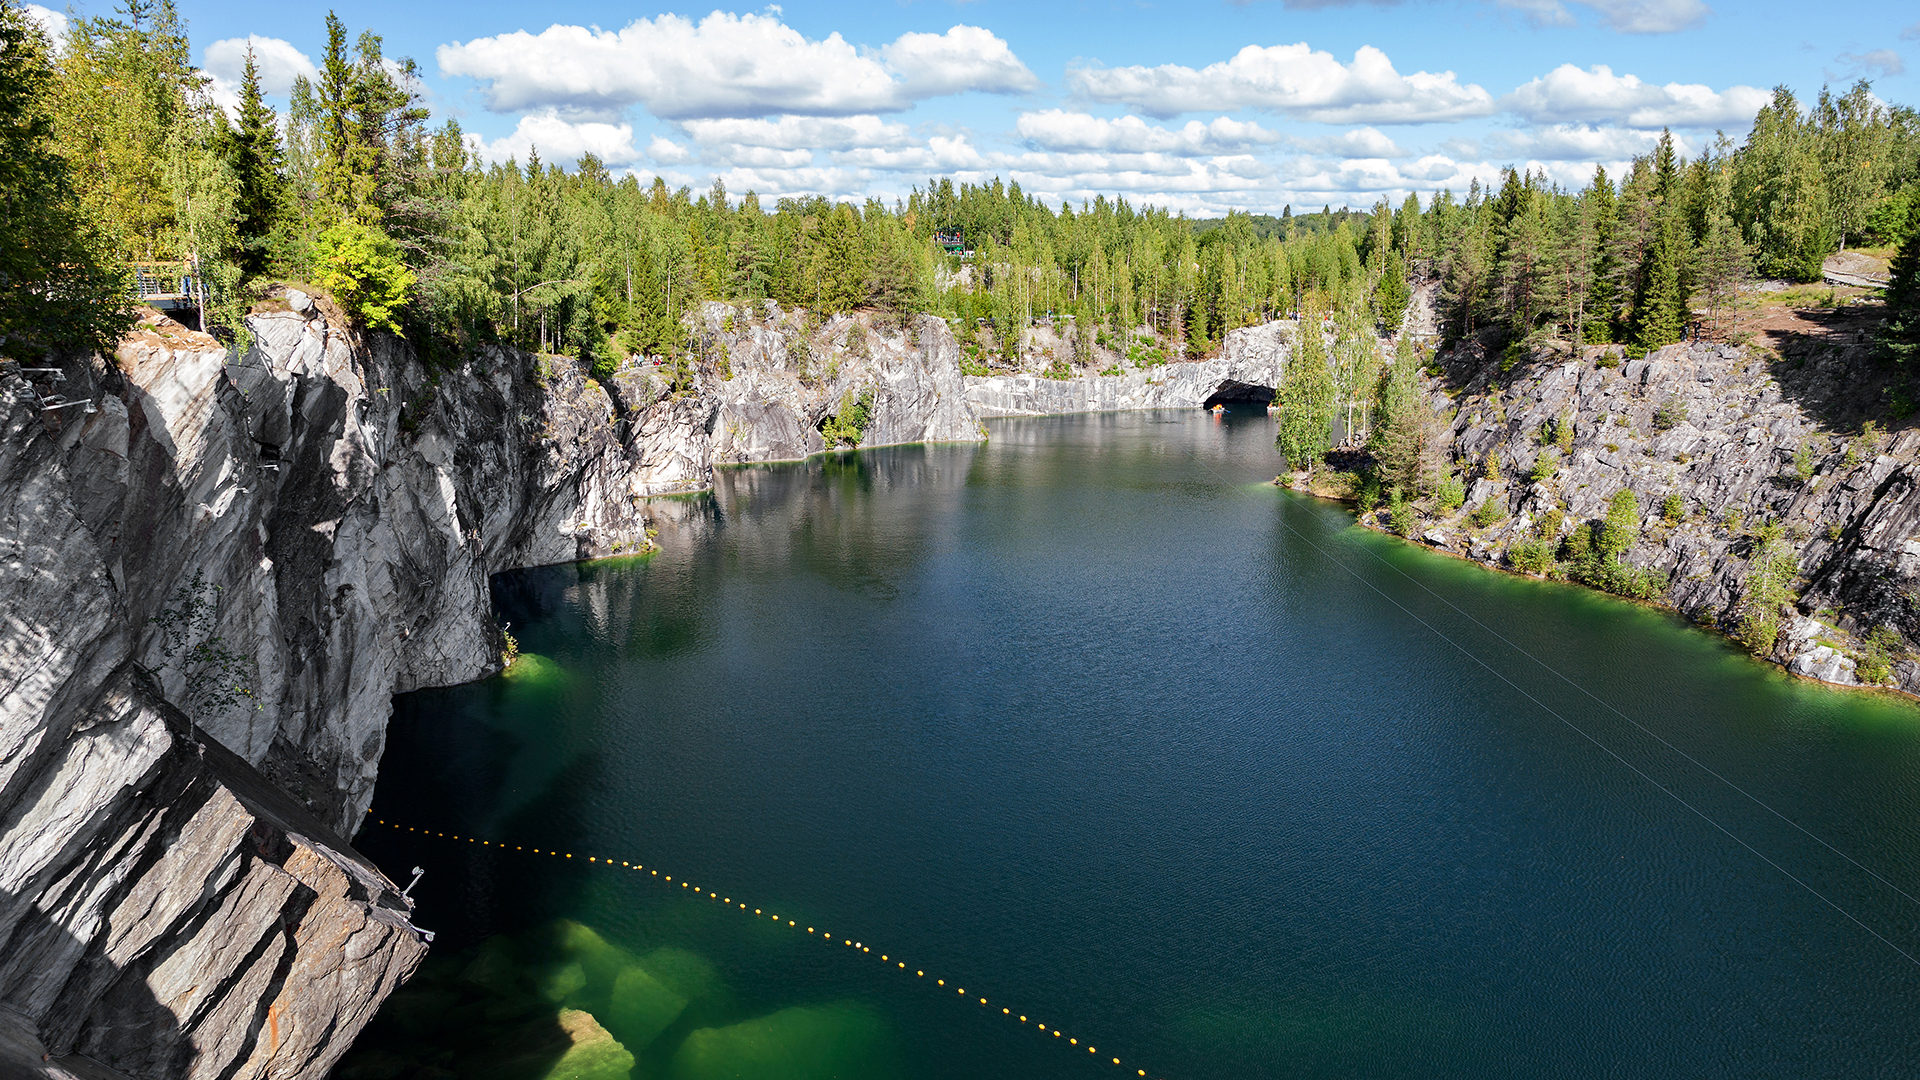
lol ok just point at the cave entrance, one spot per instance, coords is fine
(1230, 393)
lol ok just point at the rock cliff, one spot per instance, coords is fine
(319, 518)
(1248, 368)
(1749, 445)
(314, 522)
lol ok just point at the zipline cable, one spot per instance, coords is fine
(1549, 710)
(1869, 871)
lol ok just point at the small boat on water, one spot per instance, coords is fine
(1218, 409)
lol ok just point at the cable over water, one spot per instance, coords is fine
(1588, 736)
(858, 947)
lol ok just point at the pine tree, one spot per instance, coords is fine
(1723, 261)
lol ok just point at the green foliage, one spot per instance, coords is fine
(1491, 512)
(361, 268)
(252, 151)
(1391, 294)
(1621, 527)
(1768, 591)
(215, 678)
(1563, 433)
(1407, 440)
(1401, 513)
(59, 287)
(1899, 338)
(1878, 651)
(1144, 351)
(1306, 399)
(1803, 462)
(1673, 508)
(1533, 556)
(1450, 494)
(1671, 414)
(565, 257)
(1595, 552)
(1545, 467)
(1058, 369)
(847, 425)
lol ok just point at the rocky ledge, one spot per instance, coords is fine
(1737, 457)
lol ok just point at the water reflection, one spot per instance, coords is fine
(1077, 714)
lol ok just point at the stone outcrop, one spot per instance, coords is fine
(1745, 440)
(767, 377)
(176, 896)
(349, 503)
(166, 912)
(1249, 367)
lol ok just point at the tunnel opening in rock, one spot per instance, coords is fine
(1230, 393)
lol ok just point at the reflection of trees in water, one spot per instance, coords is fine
(860, 521)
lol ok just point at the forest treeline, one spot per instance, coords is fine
(115, 153)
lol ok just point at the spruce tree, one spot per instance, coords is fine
(1900, 337)
(843, 274)
(1305, 395)
(1660, 316)
(341, 193)
(253, 152)
(1603, 299)
(1723, 261)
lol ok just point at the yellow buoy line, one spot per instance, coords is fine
(713, 896)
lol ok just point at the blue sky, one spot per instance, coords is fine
(1203, 107)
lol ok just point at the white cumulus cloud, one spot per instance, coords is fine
(728, 65)
(1057, 129)
(278, 61)
(1569, 94)
(1650, 16)
(801, 132)
(1294, 80)
(1579, 142)
(963, 59)
(563, 142)
(1363, 142)
(54, 23)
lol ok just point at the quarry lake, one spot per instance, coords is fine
(1094, 723)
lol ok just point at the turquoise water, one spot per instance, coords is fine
(1091, 722)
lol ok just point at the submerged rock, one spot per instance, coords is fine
(824, 1042)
